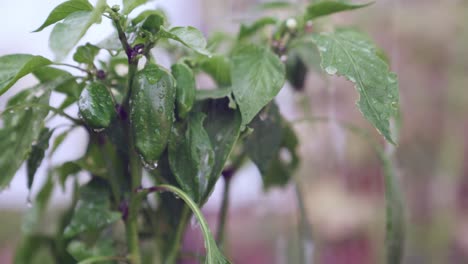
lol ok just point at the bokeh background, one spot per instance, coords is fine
(340, 178)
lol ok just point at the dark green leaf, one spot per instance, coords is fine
(37, 154)
(86, 54)
(257, 77)
(324, 8)
(58, 141)
(222, 124)
(213, 93)
(147, 13)
(351, 54)
(16, 140)
(185, 86)
(154, 21)
(129, 5)
(15, 66)
(66, 169)
(66, 34)
(219, 68)
(92, 211)
(31, 221)
(65, 9)
(296, 71)
(191, 155)
(248, 30)
(188, 36)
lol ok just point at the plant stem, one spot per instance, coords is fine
(174, 251)
(72, 66)
(48, 107)
(220, 234)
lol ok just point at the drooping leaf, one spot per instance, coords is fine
(66, 34)
(15, 66)
(257, 77)
(191, 155)
(185, 88)
(66, 169)
(129, 5)
(349, 53)
(248, 30)
(31, 221)
(16, 138)
(63, 10)
(296, 71)
(213, 93)
(222, 124)
(188, 36)
(67, 85)
(86, 54)
(92, 211)
(37, 154)
(154, 21)
(219, 68)
(58, 141)
(324, 8)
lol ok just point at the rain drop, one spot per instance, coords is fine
(29, 203)
(98, 130)
(11, 111)
(331, 70)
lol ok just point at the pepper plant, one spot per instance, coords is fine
(144, 120)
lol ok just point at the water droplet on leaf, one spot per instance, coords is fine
(331, 70)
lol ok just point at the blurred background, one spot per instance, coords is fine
(340, 177)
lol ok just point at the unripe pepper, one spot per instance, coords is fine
(185, 88)
(152, 111)
(96, 106)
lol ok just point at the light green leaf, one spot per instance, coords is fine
(349, 53)
(324, 8)
(274, 5)
(31, 221)
(15, 66)
(66, 34)
(129, 5)
(191, 155)
(80, 251)
(248, 30)
(257, 77)
(188, 36)
(65, 9)
(92, 211)
(222, 124)
(17, 137)
(86, 54)
(64, 82)
(37, 154)
(219, 68)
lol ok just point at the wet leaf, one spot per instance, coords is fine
(185, 86)
(257, 77)
(349, 53)
(188, 36)
(219, 68)
(248, 30)
(191, 155)
(37, 154)
(86, 54)
(129, 5)
(92, 211)
(213, 93)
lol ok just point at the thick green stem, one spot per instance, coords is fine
(176, 243)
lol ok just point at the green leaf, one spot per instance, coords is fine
(349, 53)
(213, 93)
(67, 84)
(191, 155)
(274, 5)
(222, 124)
(213, 254)
(66, 169)
(17, 138)
(63, 10)
(66, 34)
(80, 251)
(188, 36)
(86, 54)
(324, 8)
(31, 221)
(58, 141)
(129, 5)
(257, 77)
(219, 68)
(248, 30)
(15, 66)
(37, 154)
(92, 211)
(147, 14)
(185, 88)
